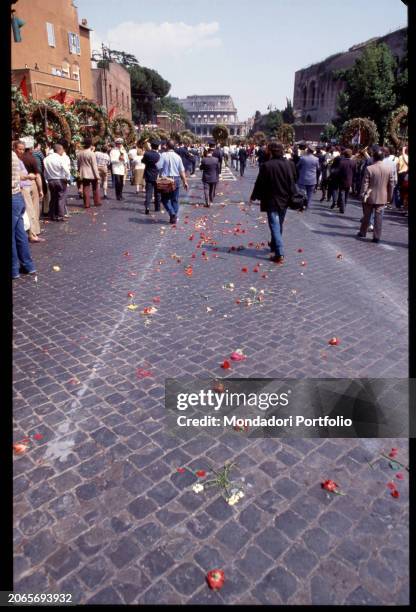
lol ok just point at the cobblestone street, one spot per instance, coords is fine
(101, 510)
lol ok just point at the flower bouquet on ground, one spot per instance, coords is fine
(230, 491)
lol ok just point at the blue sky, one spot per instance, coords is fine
(249, 49)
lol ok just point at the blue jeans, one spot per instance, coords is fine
(20, 244)
(171, 200)
(308, 190)
(342, 199)
(275, 219)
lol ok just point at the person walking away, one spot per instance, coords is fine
(274, 187)
(29, 187)
(21, 256)
(391, 162)
(151, 172)
(57, 175)
(226, 150)
(171, 166)
(36, 192)
(402, 173)
(376, 192)
(88, 172)
(39, 157)
(118, 160)
(307, 168)
(187, 158)
(103, 163)
(132, 154)
(138, 171)
(219, 154)
(345, 176)
(242, 157)
(210, 173)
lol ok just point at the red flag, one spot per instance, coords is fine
(112, 113)
(23, 88)
(59, 97)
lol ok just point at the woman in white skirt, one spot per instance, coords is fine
(138, 171)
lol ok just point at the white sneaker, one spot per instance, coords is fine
(371, 228)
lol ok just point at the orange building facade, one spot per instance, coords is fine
(54, 54)
(112, 89)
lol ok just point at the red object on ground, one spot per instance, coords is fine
(395, 494)
(300, 250)
(38, 436)
(329, 485)
(225, 364)
(181, 470)
(215, 579)
(201, 473)
(244, 270)
(334, 341)
(130, 294)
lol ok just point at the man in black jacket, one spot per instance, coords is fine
(242, 156)
(210, 174)
(274, 187)
(345, 176)
(150, 159)
(219, 154)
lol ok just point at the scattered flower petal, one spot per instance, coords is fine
(334, 341)
(19, 449)
(197, 488)
(215, 579)
(56, 268)
(226, 365)
(132, 307)
(201, 473)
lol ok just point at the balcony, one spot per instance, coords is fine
(45, 84)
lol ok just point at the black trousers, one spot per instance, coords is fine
(118, 183)
(209, 192)
(57, 188)
(242, 168)
(150, 190)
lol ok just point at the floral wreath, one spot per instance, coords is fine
(398, 118)
(20, 112)
(220, 133)
(89, 109)
(121, 127)
(58, 123)
(368, 131)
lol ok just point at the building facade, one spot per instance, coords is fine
(112, 89)
(170, 122)
(316, 90)
(205, 112)
(54, 52)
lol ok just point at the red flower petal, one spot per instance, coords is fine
(399, 476)
(334, 341)
(244, 270)
(141, 373)
(300, 250)
(181, 470)
(226, 364)
(38, 436)
(130, 294)
(391, 486)
(329, 485)
(215, 579)
(395, 493)
(201, 473)
(156, 300)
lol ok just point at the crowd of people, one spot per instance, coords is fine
(157, 169)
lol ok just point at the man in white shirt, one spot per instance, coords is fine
(57, 174)
(118, 158)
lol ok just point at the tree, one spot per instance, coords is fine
(370, 87)
(259, 137)
(287, 112)
(170, 105)
(147, 86)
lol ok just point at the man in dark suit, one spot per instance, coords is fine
(187, 158)
(151, 172)
(210, 174)
(274, 187)
(345, 176)
(219, 154)
(242, 156)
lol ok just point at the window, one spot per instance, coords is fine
(74, 43)
(65, 69)
(50, 30)
(111, 92)
(122, 99)
(75, 71)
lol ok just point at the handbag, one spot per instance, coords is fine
(26, 221)
(297, 201)
(165, 184)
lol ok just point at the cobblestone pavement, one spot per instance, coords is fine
(101, 510)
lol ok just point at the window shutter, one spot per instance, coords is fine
(70, 42)
(78, 44)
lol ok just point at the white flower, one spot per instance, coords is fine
(197, 488)
(253, 290)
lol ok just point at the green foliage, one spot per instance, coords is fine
(269, 124)
(370, 87)
(259, 137)
(329, 132)
(146, 87)
(169, 104)
(287, 112)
